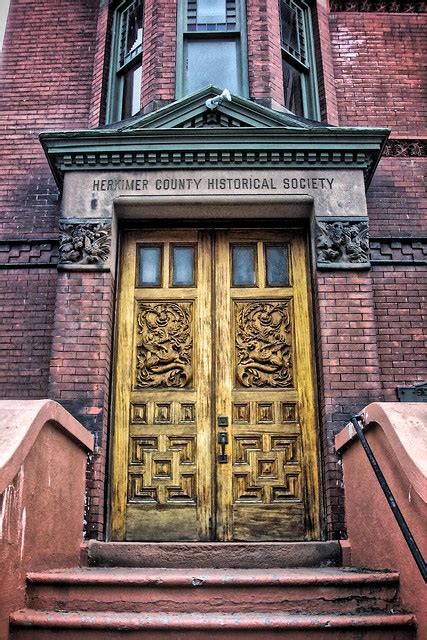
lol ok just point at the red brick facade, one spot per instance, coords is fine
(56, 328)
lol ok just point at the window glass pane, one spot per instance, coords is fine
(150, 266)
(211, 62)
(292, 84)
(243, 266)
(211, 15)
(131, 92)
(277, 265)
(289, 25)
(182, 266)
(293, 29)
(131, 31)
(211, 11)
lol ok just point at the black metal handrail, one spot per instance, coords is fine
(409, 538)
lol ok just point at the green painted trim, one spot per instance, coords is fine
(244, 66)
(179, 62)
(310, 93)
(239, 35)
(115, 85)
(313, 102)
(112, 87)
(263, 148)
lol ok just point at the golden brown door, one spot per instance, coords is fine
(214, 427)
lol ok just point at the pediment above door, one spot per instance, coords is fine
(193, 112)
(237, 134)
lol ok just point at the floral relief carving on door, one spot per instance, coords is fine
(263, 344)
(164, 351)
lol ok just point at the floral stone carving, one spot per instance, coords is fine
(342, 244)
(84, 243)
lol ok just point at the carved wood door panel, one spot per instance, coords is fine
(265, 383)
(214, 344)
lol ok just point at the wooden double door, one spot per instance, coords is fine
(215, 414)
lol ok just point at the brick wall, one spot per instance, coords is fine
(324, 63)
(53, 76)
(102, 43)
(158, 62)
(348, 369)
(27, 301)
(80, 368)
(44, 84)
(397, 197)
(264, 51)
(380, 70)
(401, 320)
(381, 80)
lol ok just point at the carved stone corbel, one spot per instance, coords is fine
(342, 243)
(84, 244)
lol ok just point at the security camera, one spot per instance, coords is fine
(212, 103)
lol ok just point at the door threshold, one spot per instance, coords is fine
(238, 555)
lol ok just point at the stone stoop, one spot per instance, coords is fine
(318, 603)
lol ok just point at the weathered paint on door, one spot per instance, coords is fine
(214, 429)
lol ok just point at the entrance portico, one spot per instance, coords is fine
(239, 166)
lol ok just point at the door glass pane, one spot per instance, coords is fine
(277, 265)
(150, 266)
(182, 266)
(243, 266)
(211, 62)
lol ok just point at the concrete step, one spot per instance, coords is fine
(316, 590)
(234, 555)
(93, 625)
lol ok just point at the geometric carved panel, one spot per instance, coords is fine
(241, 412)
(187, 412)
(166, 469)
(244, 490)
(138, 413)
(289, 411)
(290, 491)
(138, 492)
(162, 413)
(263, 344)
(266, 468)
(264, 412)
(140, 444)
(164, 344)
(243, 445)
(290, 447)
(185, 445)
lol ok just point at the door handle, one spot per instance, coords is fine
(222, 440)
